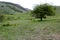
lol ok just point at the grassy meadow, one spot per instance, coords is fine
(21, 26)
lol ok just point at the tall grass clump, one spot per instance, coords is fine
(2, 18)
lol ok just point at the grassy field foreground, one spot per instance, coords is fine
(24, 27)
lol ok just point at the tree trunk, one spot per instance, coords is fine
(41, 18)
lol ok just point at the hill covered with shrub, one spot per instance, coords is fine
(7, 7)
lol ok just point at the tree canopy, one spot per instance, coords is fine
(43, 10)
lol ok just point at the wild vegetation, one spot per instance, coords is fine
(43, 10)
(22, 26)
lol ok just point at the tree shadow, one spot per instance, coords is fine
(48, 20)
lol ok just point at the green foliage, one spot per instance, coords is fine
(2, 18)
(25, 28)
(43, 10)
(6, 25)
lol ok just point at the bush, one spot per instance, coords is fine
(2, 18)
(6, 24)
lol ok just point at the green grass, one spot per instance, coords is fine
(22, 26)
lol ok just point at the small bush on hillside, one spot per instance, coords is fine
(6, 24)
(2, 18)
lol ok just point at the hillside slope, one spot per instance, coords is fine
(25, 28)
(7, 7)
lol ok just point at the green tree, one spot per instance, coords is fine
(43, 10)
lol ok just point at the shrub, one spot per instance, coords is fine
(6, 24)
(2, 18)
